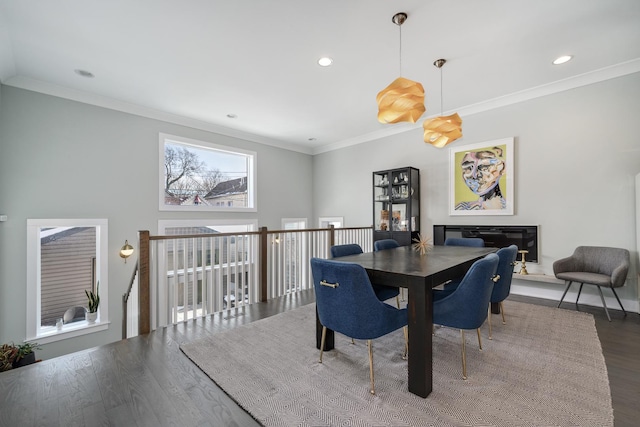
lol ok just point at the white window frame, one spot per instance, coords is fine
(325, 221)
(251, 175)
(44, 335)
(297, 221)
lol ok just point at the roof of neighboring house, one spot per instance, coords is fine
(170, 199)
(225, 188)
(189, 230)
(57, 233)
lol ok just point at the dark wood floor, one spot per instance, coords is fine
(148, 381)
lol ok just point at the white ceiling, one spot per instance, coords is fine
(196, 61)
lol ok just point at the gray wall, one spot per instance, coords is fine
(577, 154)
(64, 159)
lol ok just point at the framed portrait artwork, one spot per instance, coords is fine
(481, 178)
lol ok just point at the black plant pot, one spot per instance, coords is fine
(27, 360)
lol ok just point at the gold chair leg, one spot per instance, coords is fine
(504, 322)
(324, 335)
(402, 294)
(489, 321)
(373, 387)
(406, 342)
(479, 340)
(352, 341)
(398, 301)
(464, 357)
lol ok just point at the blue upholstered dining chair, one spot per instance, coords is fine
(466, 306)
(501, 288)
(347, 304)
(381, 245)
(382, 292)
(475, 242)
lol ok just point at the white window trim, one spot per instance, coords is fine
(331, 219)
(52, 334)
(251, 175)
(286, 221)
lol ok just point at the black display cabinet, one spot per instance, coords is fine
(396, 205)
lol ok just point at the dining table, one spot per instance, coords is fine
(404, 267)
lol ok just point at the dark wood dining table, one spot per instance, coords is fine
(406, 268)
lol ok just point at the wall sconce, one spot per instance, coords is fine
(126, 251)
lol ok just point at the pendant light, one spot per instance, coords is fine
(442, 130)
(403, 99)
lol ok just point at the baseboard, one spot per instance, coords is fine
(550, 288)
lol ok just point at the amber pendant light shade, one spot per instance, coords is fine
(401, 101)
(442, 130)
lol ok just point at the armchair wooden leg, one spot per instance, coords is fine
(616, 295)
(464, 357)
(324, 335)
(604, 304)
(373, 387)
(398, 301)
(565, 293)
(479, 339)
(504, 322)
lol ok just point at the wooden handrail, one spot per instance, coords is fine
(144, 261)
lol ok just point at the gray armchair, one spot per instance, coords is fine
(594, 265)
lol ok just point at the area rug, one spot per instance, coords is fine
(543, 368)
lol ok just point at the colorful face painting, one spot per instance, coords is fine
(481, 172)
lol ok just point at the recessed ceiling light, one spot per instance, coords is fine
(84, 73)
(232, 116)
(325, 61)
(562, 59)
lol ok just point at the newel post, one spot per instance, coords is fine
(263, 264)
(144, 300)
(332, 235)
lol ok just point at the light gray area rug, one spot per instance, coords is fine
(544, 367)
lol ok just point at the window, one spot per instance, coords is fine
(202, 176)
(65, 258)
(336, 221)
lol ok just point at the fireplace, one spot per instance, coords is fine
(525, 237)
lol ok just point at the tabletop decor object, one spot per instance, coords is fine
(423, 244)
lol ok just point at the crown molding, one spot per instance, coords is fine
(46, 88)
(607, 73)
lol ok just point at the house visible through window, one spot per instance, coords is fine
(65, 259)
(201, 176)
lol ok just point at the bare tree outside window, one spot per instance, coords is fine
(197, 175)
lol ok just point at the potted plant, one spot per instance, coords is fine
(14, 356)
(94, 302)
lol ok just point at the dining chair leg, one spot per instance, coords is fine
(324, 335)
(402, 294)
(352, 341)
(464, 357)
(489, 322)
(616, 295)
(398, 301)
(504, 322)
(479, 339)
(406, 342)
(373, 387)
